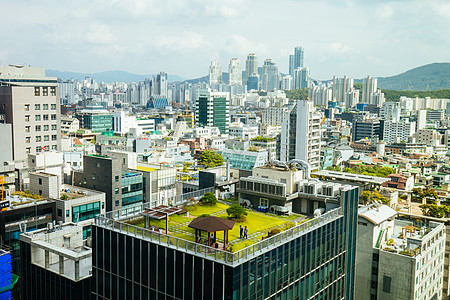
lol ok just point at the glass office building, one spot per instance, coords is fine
(313, 260)
(213, 109)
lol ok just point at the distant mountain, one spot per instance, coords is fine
(206, 79)
(108, 76)
(429, 77)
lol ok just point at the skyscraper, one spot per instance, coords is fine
(213, 109)
(271, 76)
(296, 60)
(340, 87)
(215, 72)
(235, 72)
(160, 85)
(251, 66)
(301, 134)
(30, 102)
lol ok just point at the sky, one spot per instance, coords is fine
(181, 37)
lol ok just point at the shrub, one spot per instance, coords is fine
(204, 215)
(64, 197)
(274, 231)
(208, 199)
(236, 212)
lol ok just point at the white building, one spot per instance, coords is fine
(369, 86)
(286, 83)
(397, 258)
(391, 111)
(123, 122)
(235, 72)
(320, 95)
(340, 87)
(270, 76)
(215, 72)
(301, 134)
(243, 132)
(399, 131)
(69, 124)
(302, 78)
(274, 115)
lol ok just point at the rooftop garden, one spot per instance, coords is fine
(263, 139)
(260, 225)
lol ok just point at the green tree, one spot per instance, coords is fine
(434, 210)
(210, 159)
(372, 196)
(208, 199)
(236, 211)
(186, 166)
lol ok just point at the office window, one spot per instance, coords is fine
(44, 91)
(27, 118)
(54, 117)
(47, 148)
(37, 91)
(27, 150)
(116, 191)
(27, 128)
(44, 106)
(116, 178)
(103, 205)
(53, 91)
(117, 202)
(37, 128)
(40, 181)
(93, 176)
(67, 213)
(38, 149)
(37, 117)
(27, 107)
(59, 212)
(45, 117)
(46, 138)
(54, 127)
(54, 137)
(28, 139)
(45, 127)
(38, 138)
(37, 107)
(53, 106)
(54, 147)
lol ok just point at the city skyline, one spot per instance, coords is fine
(182, 38)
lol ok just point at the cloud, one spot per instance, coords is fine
(238, 45)
(340, 49)
(185, 41)
(100, 34)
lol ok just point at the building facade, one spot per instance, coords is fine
(213, 109)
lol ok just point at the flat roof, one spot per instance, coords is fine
(351, 176)
(377, 214)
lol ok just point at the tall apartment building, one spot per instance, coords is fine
(29, 101)
(251, 66)
(235, 72)
(274, 115)
(302, 78)
(301, 134)
(215, 72)
(312, 260)
(369, 86)
(213, 109)
(320, 95)
(398, 257)
(286, 83)
(340, 87)
(399, 131)
(271, 76)
(160, 85)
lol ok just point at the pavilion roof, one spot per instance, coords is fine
(212, 224)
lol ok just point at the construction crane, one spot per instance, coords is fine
(323, 119)
(2, 181)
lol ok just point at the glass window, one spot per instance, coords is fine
(47, 148)
(27, 107)
(37, 91)
(37, 127)
(44, 106)
(53, 117)
(117, 202)
(54, 147)
(54, 127)
(38, 138)
(67, 213)
(38, 149)
(45, 127)
(93, 176)
(117, 178)
(53, 106)
(103, 205)
(46, 138)
(37, 107)
(54, 137)
(45, 117)
(53, 91)
(44, 91)
(116, 191)
(37, 117)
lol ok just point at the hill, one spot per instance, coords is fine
(429, 77)
(107, 76)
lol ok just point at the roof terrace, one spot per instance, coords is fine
(266, 231)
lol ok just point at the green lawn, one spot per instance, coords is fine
(208, 209)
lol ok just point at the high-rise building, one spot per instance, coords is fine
(213, 109)
(398, 131)
(366, 129)
(310, 260)
(235, 72)
(251, 66)
(215, 72)
(274, 115)
(286, 82)
(271, 76)
(296, 60)
(398, 257)
(320, 95)
(253, 82)
(301, 134)
(160, 85)
(340, 87)
(369, 86)
(302, 78)
(30, 102)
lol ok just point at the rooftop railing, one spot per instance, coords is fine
(230, 258)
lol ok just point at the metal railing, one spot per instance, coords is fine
(230, 258)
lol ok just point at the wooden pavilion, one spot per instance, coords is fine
(210, 225)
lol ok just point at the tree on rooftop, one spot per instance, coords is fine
(209, 199)
(236, 212)
(374, 196)
(210, 159)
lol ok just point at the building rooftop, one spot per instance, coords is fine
(377, 213)
(73, 192)
(351, 176)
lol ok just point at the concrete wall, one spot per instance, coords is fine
(6, 152)
(45, 185)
